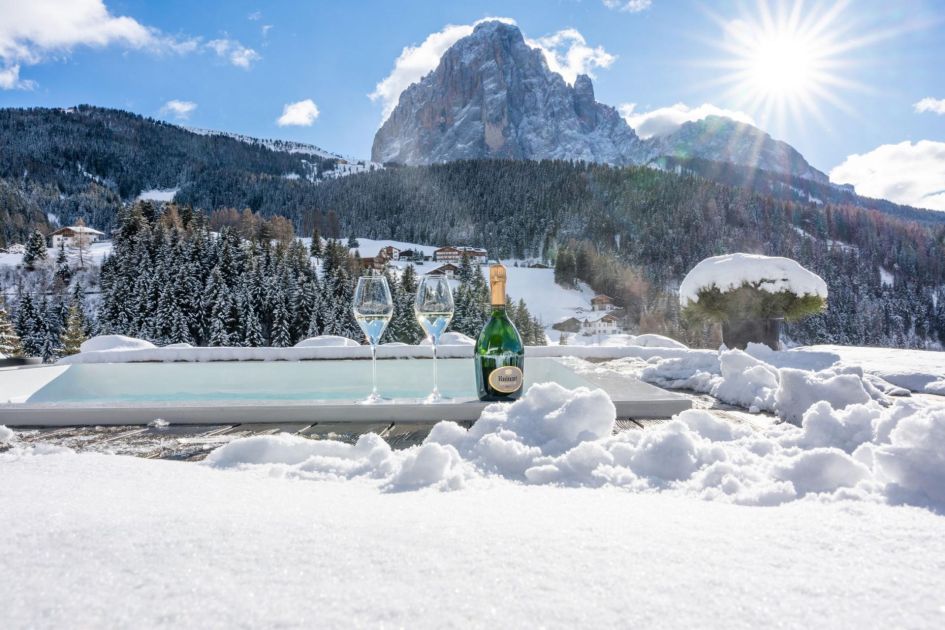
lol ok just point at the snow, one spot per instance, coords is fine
(886, 279)
(14, 254)
(327, 341)
(915, 370)
(6, 435)
(114, 343)
(553, 435)
(538, 498)
(730, 271)
(158, 194)
(451, 339)
(132, 542)
(762, 382)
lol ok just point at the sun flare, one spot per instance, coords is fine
(787, 60)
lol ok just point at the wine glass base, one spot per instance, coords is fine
(435, 398)
(375, 399)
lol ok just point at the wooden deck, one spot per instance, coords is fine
(191, 442)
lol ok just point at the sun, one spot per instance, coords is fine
(787, 60)
(781, 65)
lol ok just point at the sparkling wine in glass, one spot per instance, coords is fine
(434, 310)
(373, 308)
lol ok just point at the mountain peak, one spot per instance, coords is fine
(493, 96)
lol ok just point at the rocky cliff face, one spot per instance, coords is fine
(492, 96)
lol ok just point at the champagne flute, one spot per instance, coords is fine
(373, 308)
(434, 310)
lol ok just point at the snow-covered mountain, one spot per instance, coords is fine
(725, 140)
(494, 96)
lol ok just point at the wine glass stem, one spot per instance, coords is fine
(374, 369)
(436, 387)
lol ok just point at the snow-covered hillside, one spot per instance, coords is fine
(96, 253)
(346, 165)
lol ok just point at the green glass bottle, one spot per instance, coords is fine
(499, 353)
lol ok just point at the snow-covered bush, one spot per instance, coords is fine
(750, 286)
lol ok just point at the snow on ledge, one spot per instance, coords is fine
(121, 349)
(771, 273)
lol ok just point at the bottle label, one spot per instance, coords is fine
(506, 379)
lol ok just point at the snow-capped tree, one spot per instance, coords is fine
(10, 345)
(74, 334)
(36, 251)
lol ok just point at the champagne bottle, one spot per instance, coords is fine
(499, 353)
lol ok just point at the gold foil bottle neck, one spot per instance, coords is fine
(497, 283)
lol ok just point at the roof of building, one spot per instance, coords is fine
(80, 229)
(445, 267)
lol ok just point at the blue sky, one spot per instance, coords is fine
(236, 65)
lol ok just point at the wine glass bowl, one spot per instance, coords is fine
(373, 309)
(434, 308)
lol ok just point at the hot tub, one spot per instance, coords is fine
(286, 391)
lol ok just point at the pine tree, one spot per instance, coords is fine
(252, 329)
(35, 250)
(74, 334)
(281, 326)
(63, 271)
(29, 327)
(51, 324)
(315, 247)
(404, 324)
(353, 243)
(10, 345)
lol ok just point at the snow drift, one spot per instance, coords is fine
(552, 435)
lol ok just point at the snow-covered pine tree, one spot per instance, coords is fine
(471, 299)
(74, 334)
(303, 306)
(404, 324)
(52, 316)
(281, 325)
(315, 248)
(10, 345)
(63, 270)
(252, 329)
(35, 250)
(221, 322)
(29, 326)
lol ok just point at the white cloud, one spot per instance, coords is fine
(265, 28)
(302, 113)
(929, 104)
(34, 31)
(666, 120)
(628, 6)
(565, 52)
(907, 173)
(234, 52)
(180, 110)
(416, 61)
(254, 16)
(10, 79)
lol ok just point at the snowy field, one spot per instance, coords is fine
(96, 252)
